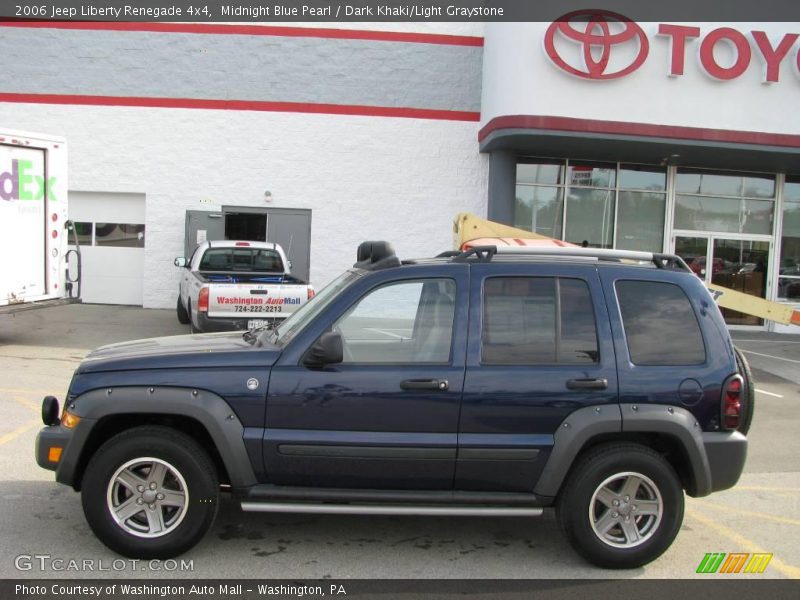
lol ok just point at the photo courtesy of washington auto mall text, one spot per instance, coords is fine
(415, 299)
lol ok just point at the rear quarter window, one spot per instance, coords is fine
(661, 327)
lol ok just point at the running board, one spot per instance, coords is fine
(385, 509)
(280, 494)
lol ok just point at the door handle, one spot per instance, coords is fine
(587, 384)
(425, 384)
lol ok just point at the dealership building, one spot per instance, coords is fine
(677, 137)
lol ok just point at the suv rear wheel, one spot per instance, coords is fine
(622, 506)
(150, 492)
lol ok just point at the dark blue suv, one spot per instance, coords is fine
(490, 382)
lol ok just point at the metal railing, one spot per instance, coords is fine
(660, 260)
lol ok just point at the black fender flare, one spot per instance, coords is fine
(586, 423)
(207, 408)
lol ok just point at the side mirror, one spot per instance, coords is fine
(181, 262)
(327, 350)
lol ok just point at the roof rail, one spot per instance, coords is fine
(482, 253)
(660, 260)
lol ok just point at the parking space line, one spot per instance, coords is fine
(788, 570)
(791, 360)
(750, 513)
(740, 341)
(19, 391)
(26, 403)
(760, 488)
(11, 435)
(765, 392)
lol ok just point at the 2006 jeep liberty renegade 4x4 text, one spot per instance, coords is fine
(496, 381)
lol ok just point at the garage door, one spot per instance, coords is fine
(112, 237)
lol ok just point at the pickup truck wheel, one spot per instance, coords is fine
(193, 329)
(748, 395)
(183, 316)
(150, 492)
(622, 506)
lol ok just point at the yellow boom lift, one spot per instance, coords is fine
(470, 231)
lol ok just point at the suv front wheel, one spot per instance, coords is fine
(150, 492)
(622, 506)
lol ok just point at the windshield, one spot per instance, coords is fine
(284, 332)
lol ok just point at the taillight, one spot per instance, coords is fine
(732, 403)
(311, 292)
(242, 243)
(202, 300)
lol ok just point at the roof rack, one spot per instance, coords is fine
(660, 260)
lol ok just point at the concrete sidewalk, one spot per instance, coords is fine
(87, 326)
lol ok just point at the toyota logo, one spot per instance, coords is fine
(592, 34)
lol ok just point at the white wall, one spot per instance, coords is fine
(363, 177)
(519, 79)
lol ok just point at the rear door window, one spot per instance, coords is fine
(538, 320)
(660, 325)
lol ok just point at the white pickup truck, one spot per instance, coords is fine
(229, 285)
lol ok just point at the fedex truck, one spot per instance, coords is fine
(38, 267)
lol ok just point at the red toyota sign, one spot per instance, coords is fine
(598, 34)
(591, 30)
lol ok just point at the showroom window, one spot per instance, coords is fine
(539, 205)
(603, 205)
(724, 202)
(789, 270)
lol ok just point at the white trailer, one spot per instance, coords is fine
(38, 269)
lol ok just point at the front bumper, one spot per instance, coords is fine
(726, 454)
(71, 442)
(53, 436)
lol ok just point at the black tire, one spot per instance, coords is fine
(748, 395)
(183, 316)
(193, 328)
(178, 451)
(603, 463)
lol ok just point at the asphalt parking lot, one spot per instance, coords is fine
(40, 349)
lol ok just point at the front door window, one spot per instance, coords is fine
(401, 323)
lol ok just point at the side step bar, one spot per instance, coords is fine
(386, 509)
(295, 494)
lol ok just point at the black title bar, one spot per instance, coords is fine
(406, 589)
(280, 11)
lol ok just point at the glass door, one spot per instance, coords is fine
(734, 263)
(740, 265)
(694, 250)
